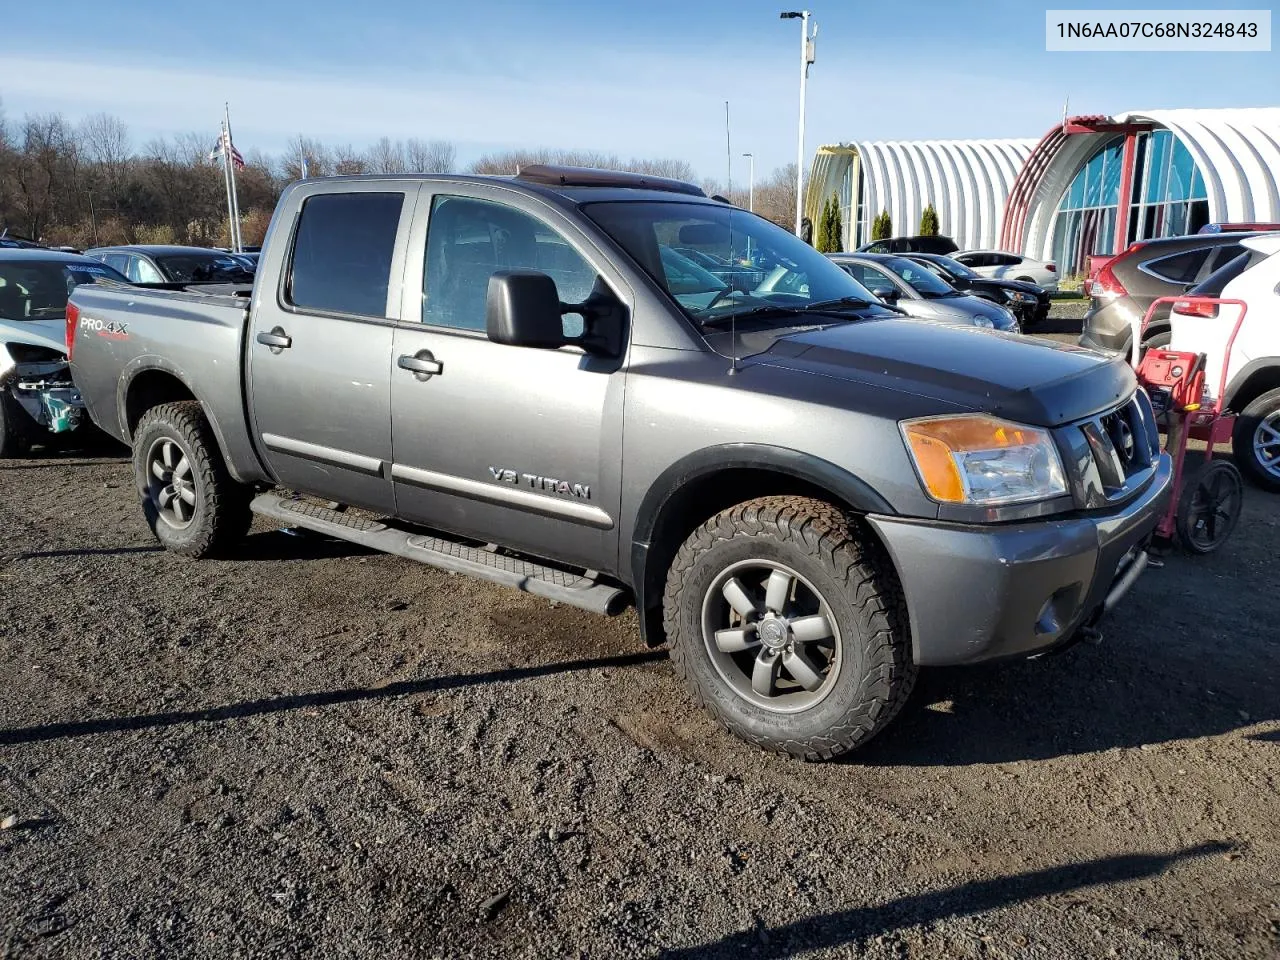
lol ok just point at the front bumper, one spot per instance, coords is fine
(978, 592)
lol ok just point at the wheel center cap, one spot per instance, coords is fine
(773, 632)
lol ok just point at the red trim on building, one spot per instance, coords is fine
(1013, 226)
(1124, 203)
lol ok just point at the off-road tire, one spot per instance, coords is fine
(851, 572)
(1242, 440)
(15, 427)
(222, 516)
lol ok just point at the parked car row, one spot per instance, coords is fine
(921, 293)
(994, 264)
(169, 263)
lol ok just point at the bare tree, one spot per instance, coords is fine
(431, 156)
(386, 156)
(87, 182)
(348, 162)
(45, 171)
(316, 155)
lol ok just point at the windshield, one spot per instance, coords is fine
(746, 262)
(38, 289)
(194, 267)
(924, 282)
(954, 267)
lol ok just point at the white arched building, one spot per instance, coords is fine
(967, 181)
(1091, 185)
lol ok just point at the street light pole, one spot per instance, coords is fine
(751, 182)
(806, 58)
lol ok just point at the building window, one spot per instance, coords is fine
(1166, 199)
(1169, 195)
(1087, 213)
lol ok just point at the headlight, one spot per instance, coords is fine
(983, 460)
(1017, 296)
(984, 322)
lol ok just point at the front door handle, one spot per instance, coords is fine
(277, 339)
(422, 364)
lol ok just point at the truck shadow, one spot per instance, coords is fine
(843, 928)
(299, 545)
(322, 698)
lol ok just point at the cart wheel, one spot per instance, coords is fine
(1209, 508)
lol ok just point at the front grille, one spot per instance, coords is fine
(1125, 442)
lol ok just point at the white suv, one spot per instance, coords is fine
(1252, 381)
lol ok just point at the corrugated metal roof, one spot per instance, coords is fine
(967, 181)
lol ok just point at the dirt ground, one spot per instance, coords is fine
(309, 750)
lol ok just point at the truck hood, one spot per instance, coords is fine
(1021, 379)
(37, 333)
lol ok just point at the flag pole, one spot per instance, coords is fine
(235, 199)
(226, 177)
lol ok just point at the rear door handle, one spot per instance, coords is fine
(422, 364)
(277, 339)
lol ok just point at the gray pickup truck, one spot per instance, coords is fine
(524, 379)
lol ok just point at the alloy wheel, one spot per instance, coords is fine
(771, 636)
(1266, 443)
(172, 483)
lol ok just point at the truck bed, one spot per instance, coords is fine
(131, 339)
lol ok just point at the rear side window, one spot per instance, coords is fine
(1179, 268)
(1216, 282)
(342, 253)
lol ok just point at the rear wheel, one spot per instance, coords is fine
(192, 504)
(1255, 441)
(1209, 507)
(789, 627)
(15, 427)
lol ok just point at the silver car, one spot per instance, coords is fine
(921, 293)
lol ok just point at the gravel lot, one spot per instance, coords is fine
(309, 750)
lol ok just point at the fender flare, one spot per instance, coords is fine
(150, 363)
(1243, 377)
(785, 461)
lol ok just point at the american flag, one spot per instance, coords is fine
(224, 143)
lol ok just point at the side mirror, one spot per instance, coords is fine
(887, 294)
(522, 309)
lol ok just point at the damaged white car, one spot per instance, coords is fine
(37, 397)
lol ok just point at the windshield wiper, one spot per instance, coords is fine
(778, 309)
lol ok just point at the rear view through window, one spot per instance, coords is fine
(342, 253)
(38, 290)
(198, 267)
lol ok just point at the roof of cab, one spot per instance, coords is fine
(577, 184)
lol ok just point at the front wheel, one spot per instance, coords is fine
(191, 502)
(789, 626)
(1255, 441)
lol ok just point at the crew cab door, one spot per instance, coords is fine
(512, 445)
(320, 341)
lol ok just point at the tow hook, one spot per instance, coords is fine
(1091, 636)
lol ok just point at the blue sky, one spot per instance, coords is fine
(638, 79)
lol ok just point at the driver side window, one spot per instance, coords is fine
(470, 240)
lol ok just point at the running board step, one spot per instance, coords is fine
(437, 550)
